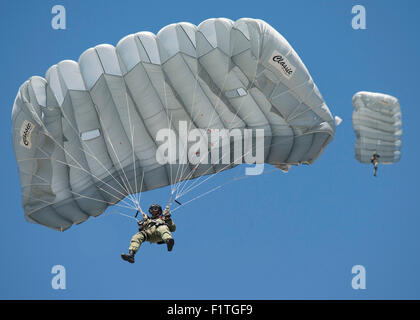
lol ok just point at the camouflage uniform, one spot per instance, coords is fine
(153, 230)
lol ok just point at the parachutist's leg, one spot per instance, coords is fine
(128, 257)
(170, 244)
(137, 240)
(166, 236)
(135, 244)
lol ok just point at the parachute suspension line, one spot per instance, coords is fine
(122, 178)
(42, 200)
(184, 186)
(127, 185)
(187, 179)
(197, 182)
(103, 201)
(91, 174)
(80, 196)
(200, 196)
(90, 153)
(47, 183)
(121, 214)
(47, 133)
(132, 148)
(47, 204)
(195, 185)
(219, 187)
(42, 151)
(200, 178)
(84, 170)
(215, 188)
(170, 198)
(126, 215)
(140, 193)
(41, 178)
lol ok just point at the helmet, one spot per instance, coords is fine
(155, 209)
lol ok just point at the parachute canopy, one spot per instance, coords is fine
(378, 127)
(87, 135)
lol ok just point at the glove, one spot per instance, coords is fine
(167, 212)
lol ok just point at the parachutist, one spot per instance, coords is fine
(375, 161)
(155, 229)
(377, 125)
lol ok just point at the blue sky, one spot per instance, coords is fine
(274, 236)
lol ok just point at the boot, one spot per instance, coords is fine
(170, 243)
(128, 257)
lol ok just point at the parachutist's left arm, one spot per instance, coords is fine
(171, 225)
(167, 217)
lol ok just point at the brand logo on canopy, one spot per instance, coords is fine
(281, 63)
(25, 133)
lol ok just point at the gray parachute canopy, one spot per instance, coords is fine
(378, 127)
(86, 135)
